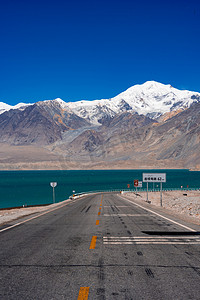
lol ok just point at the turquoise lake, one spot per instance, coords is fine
(18, 188)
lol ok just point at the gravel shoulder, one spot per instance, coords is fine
(183, 204)
(9, 215)
(12, 214)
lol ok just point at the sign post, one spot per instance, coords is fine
(161, 194)
(53, 184)
(136, 184)
(155, 177)
(147, 193)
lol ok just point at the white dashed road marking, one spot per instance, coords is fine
(127, 215)
(150, 240)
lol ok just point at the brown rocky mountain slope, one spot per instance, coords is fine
(128, 140)
(37, 124)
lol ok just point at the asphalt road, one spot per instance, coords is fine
(100, 247)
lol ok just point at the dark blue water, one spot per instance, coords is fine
(19, 188)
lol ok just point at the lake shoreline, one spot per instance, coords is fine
(30, 188)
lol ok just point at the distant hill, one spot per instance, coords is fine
(148, 126)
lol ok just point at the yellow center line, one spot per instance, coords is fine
(93, 242)
(83, 293)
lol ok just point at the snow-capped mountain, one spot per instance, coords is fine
(151, 98)
(116, 132)
(154, 98)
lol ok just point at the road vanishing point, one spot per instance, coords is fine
(101, 246)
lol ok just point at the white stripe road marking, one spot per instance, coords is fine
(149, 237)
(127, 215)
(123, 206)
(152, 243)
(117, 205)
(151, 240)
(118, 243)
(161, 240)
(186, 227)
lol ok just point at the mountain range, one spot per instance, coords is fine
(148, 126)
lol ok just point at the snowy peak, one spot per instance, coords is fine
(151, 98)
(6, 107)
(56, 101)
(155, 98)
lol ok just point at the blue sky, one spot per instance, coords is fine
(96, 49)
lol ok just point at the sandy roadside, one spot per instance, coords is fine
(9, 215)
(185, 204)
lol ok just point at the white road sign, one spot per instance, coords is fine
(154, 177)
(139, 183)
(53, 184)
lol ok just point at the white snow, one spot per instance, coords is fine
(155, 97)
(6, 107)
(21, 105)
(152, 98)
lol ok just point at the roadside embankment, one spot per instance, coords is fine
(183, 203)
(11, 214)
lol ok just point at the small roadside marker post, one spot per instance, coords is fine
(53, 184)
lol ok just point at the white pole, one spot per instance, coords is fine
(53, 195)
(161, 194)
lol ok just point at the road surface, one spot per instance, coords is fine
(100, 247)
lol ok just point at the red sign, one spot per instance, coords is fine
(136, 183)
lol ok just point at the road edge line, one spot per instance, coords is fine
(46, 212)
(186, 227)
